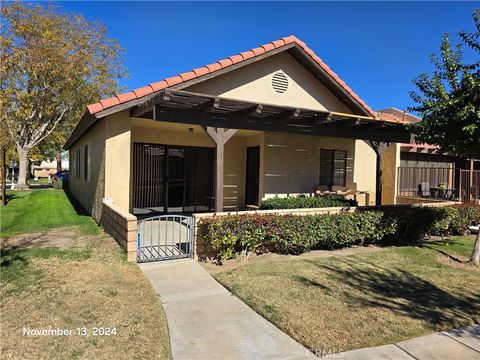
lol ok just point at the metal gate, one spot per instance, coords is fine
(165, 237)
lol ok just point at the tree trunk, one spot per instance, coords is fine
(475, 258)
(4, 177)
(59, 161)
(22, 168)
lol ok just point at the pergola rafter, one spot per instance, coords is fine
(207, 110)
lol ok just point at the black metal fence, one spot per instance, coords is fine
(428, 182)
(439, 183)
(469, 185)
(165, 237)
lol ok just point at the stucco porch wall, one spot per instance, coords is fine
(122, 227)
(424, 201)
(291, 164)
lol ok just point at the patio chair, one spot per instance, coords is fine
(324, 190)
(425, 189)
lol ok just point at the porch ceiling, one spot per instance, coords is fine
(193, 108)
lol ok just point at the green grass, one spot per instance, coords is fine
(453, 245)
(89, 285)
(40, 181)
(41, 210)
(348, 302)
(15, 263)
(76, 282)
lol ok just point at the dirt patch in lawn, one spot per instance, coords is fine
(83, 286)
(213, 267)
(458, 261)
(62, 237)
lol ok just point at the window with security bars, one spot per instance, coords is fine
(86, 164)
(77, 168)
(333, 167)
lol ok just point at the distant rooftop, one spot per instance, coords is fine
(394, 114)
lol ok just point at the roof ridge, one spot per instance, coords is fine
(221, 64)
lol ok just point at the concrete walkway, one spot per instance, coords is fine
(205, 321)
(459, 344)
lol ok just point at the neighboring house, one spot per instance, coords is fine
(48, 167)
(423, 171)
(271, 121)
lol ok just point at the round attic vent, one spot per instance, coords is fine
(279, 82)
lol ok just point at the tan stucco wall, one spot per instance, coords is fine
(89, 192)
(117, 154)
(156, 132)
(390, 164)
(292, 163)
(253, 83)
(289, 163)
(364, 171)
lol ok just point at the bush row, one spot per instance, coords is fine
(300, 202)
(294, 234)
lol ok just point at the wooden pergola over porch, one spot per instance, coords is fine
(222, 117)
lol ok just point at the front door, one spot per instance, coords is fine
(252, 175)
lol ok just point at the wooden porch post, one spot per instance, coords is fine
(220, 136)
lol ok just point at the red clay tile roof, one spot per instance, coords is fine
(221, 64)
(393, 114)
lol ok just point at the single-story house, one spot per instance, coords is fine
(271, 121)
(45, 168)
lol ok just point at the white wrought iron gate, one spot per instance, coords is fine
(165, 237)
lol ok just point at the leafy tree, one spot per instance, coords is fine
(52, 65)
(449, 102)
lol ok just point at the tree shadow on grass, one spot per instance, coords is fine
(11, 256)
(9, 197)
(403, 293)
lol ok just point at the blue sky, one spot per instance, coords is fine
(375, 47)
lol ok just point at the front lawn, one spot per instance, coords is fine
(58, 271)
(80, 288)
(40, 210)
(369, 299)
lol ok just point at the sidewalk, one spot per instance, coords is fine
(205, 321)
(459, 344)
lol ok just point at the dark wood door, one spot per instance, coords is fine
(252, 175)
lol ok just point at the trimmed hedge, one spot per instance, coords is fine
(294, 234)
(292, 202)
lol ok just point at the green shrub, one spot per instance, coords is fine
(298, 202)
(466, 215)
(294, 234)
(413, 223)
